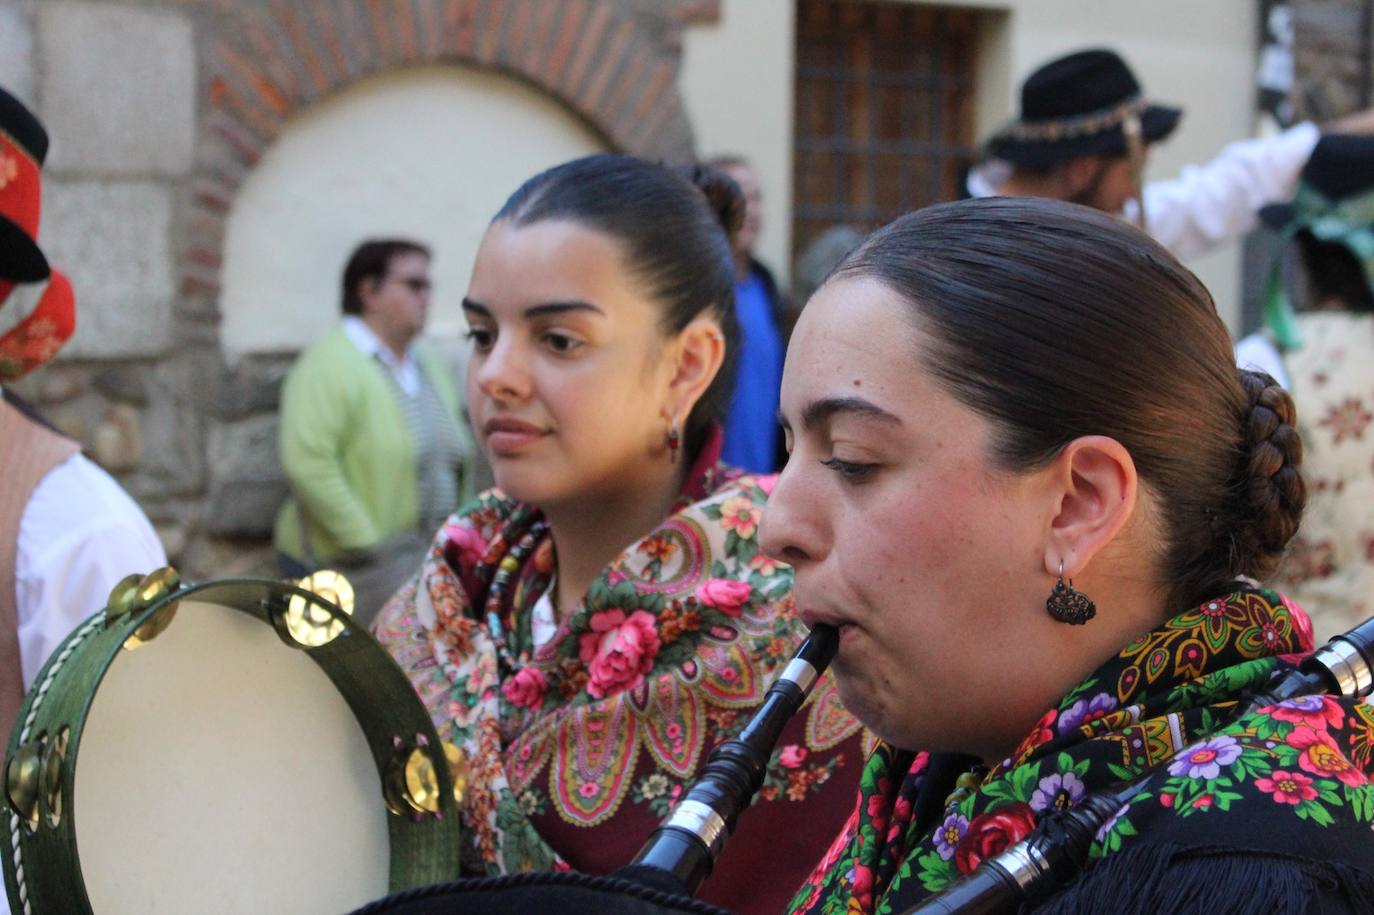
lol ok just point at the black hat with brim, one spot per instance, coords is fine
(1076, 106)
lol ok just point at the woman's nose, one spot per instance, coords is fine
(503, 373)
(791, 530)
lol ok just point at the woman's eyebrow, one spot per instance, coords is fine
(554, 308)
(819, 412)
(535, 311)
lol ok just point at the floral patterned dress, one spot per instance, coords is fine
(1330, 565)
(1252, 814)
(576, 749)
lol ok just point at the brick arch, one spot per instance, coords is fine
(262, 64)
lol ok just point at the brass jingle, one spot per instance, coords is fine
(411, 785)
(310, 623)
(332, 586)
(22, 782)
(458, 768)
(123, 598)
(157, 585)
(422, 782)
(153, 627)
(153, 588)
(53, 758)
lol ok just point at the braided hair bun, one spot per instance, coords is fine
(1268, 486)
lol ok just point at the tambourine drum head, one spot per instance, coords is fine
(221, 771)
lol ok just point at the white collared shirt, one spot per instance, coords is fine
(405, 370)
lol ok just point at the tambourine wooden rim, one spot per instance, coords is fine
(42, 866)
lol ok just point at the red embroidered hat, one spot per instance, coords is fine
(38, 336)
(23, 147)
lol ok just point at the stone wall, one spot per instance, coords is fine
(158, 109)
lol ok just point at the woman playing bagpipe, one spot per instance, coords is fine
(588, 630)
(1030, 488)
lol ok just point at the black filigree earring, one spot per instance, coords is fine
(1068, 605)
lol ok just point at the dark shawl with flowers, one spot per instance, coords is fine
(1270, 812)
(575, 757)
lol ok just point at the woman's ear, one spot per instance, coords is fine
(698, 352)
(1077, 176)
(1096, 487)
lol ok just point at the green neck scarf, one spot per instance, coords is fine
(1349, 223)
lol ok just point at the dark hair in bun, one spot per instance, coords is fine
(1054, 321)
(672, 226)
(723, 195)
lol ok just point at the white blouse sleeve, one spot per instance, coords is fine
(1209, 205)
(80, 533)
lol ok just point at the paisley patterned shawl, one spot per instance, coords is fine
(574, 757)
(1263, 811)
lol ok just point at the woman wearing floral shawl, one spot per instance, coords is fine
(584, 679)
(1322, 356)
(1032, 490)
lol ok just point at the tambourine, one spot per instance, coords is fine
(234, 746)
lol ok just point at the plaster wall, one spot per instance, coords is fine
(736, 82)
(428, 154)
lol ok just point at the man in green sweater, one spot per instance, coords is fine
(372, 439)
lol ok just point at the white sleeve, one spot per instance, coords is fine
(80, 533)
(1208, 205)
(1258, 352)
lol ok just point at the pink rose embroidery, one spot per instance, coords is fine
(1302, 624)
(1287, 787)
(862, 886)
(792, 756)
(526, 689)
(618, 651)
(1317, 712)
(464, 548)
(1320, 756)
(463, 544)
(725, 594)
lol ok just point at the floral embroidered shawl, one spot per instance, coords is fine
(1263, 812)
(576, 757)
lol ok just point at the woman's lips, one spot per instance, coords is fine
(509, 436)
(814, 617)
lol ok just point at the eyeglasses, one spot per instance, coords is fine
(417, 284)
